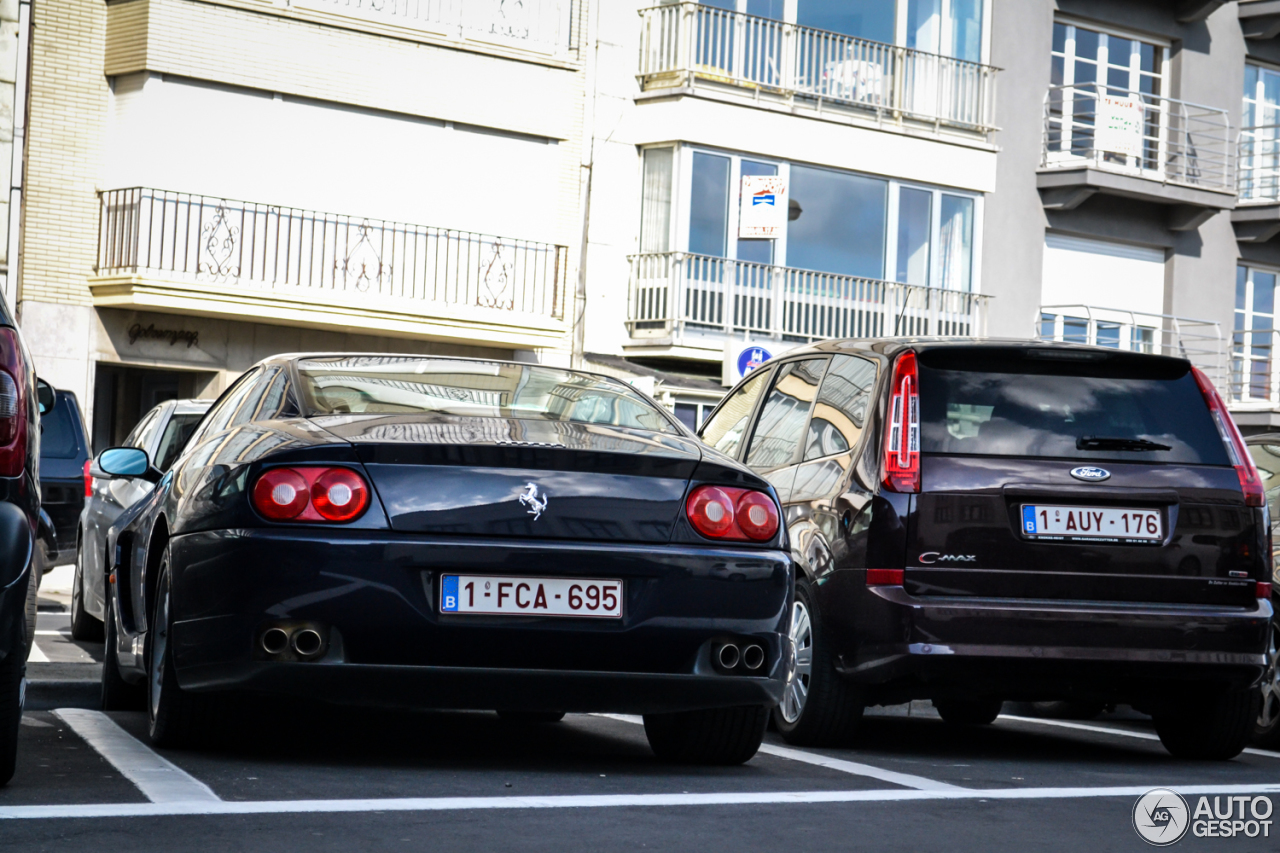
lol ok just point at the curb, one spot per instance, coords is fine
(45, 694)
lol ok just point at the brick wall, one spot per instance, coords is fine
(69, 98)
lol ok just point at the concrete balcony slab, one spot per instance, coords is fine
(1189, 206)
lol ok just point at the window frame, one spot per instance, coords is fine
(1243, 327)
(680, 218)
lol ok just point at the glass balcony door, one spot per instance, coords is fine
(1088, 66)
(1260, 134)
(1254, 338)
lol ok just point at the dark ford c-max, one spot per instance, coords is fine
(979, 521)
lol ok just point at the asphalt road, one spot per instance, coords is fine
(311, 778)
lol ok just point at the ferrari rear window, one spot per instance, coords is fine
(393, 385)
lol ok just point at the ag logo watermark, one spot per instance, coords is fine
(1162, 817)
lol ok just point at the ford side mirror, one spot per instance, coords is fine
(45, 396)
(128, 463)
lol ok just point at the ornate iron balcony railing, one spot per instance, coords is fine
(307, 253)
(1177, 142)
(673, 293)
(687, 44)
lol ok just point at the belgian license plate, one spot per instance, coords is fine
(1092, 522)
(523, 596)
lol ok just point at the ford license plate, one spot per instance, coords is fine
(521, 596)
(1092, 523)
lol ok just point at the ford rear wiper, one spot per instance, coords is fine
(1104, 442)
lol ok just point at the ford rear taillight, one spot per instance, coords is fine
(311, 494)
(13, 405)
(88, 478)
(1250, 482)
(902, 428)
(723, 512)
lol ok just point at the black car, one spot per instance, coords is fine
(1265, 450)
(21, 399)
(162, 433)
(450, 533)
(64, 469)
(978, 521)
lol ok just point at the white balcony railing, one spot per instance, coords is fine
(310, 255)
(1177, 142)
(685, 44)
(1259, 164)
(674, 293)
(1199, 341)
(1255, 372)
(537, 25)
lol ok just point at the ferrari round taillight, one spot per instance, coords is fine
(710, 511)
(757, 516)
(281, 494)
(339, 494)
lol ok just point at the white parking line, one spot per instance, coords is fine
(1106, 730)
(218, 807)
(920, 783)
(159, 780)
(37, 656)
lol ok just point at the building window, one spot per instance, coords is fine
(1260, 134)
(838, 222)
(1089, 64)
(1254, 333)
(948, 27)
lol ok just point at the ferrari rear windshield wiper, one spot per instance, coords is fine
(1104, 442)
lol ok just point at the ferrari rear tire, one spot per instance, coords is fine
(724, 736)
(176, 717)
(117, 694)
(1216, 727)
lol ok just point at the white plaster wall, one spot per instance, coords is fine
(188, 136)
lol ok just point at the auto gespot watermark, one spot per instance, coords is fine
(1162, 816)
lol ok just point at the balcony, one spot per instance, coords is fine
(689, 47)
(689, 304)
(190, 254)
(1199, 341)
(1257, 218)
(541, 26)
(1154, 149)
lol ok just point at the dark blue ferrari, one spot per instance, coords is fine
(430, 532)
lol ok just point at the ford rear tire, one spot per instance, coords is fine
(1216, 728)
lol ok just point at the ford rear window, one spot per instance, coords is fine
(1123, 408)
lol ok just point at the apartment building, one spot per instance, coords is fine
(767, 173)
(212, 181)
(1081, 170)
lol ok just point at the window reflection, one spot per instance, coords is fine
(782, 421)
(842, 227)
(841, 412)
(724, 431)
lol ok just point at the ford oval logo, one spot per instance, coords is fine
(1090, 474)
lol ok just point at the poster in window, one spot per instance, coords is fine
(763, 214)
(1120, 125)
